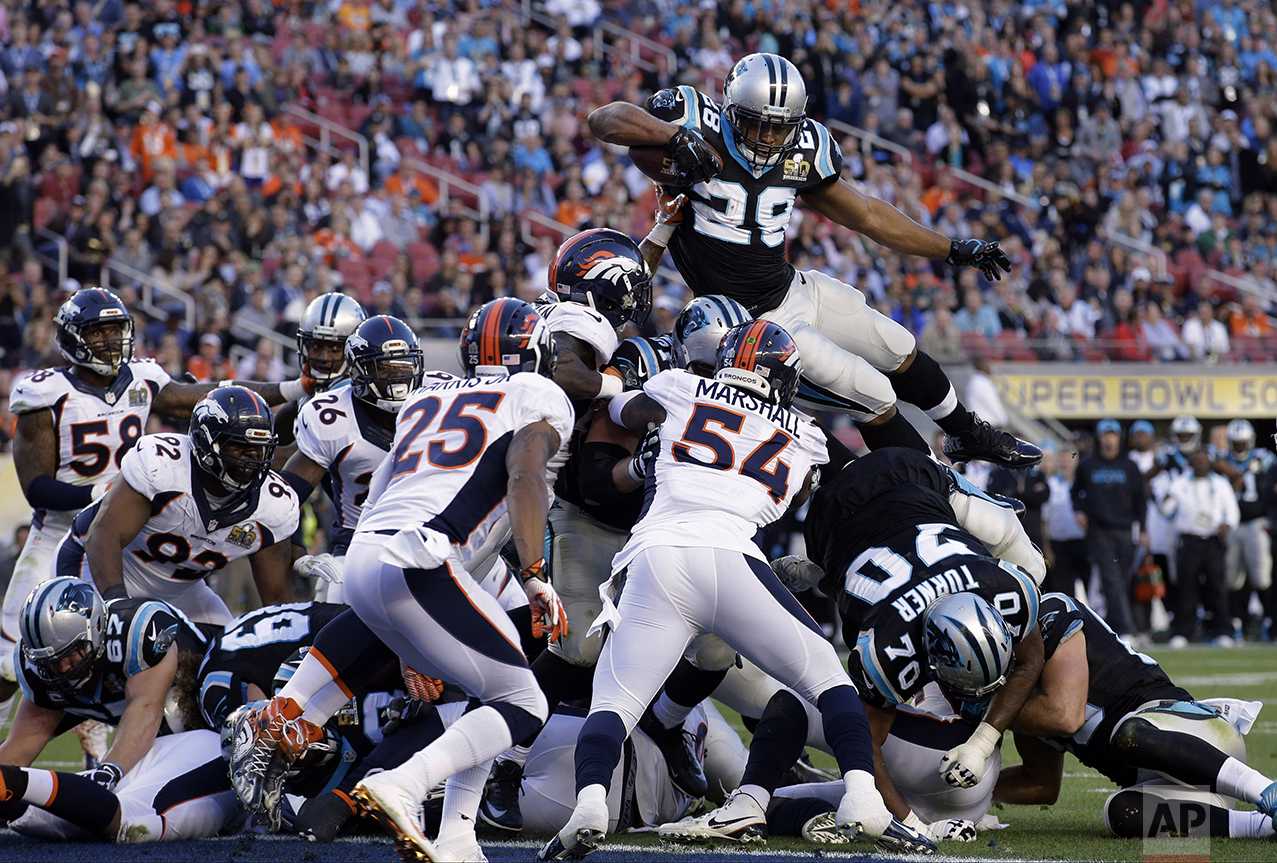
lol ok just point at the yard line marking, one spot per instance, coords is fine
(1243, 679)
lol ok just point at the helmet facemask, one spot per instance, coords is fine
(51, 665)
(103, 345)
(386, 380)
(763, 140)
(322, 358)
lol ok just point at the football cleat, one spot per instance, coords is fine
(500, 805)
(740, 819)
(583, 833)
(822, 830)
(1267, 802)
(984, 442)
(381, 798)
(94, 742)
(901, 839)
(679, 749)
(804, 771)
(265, 744)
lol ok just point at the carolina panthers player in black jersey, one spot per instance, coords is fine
(80, 658)
(731, 241)
(1119, 712)
(900, 541)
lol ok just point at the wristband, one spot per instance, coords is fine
(634, 474)
(115, 591)
(618, 403)
(660, 235)
(99, 490)
(986, 738)
(610, 387)
(536, 570)
(912, 820)
(292, 390)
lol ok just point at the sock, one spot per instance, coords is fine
(73, 798)
(344, 648)
(598, 750)
(312, 675)
(686, 687)
(762, 795)
(669, 714)
(593, 796)
(846, 729)
(1238, 780)
(479, 736)
(896, 431)
(517, 754)
(789, 814)
(1245, 825)
(778, 741)
(461, 804)
(925, 385)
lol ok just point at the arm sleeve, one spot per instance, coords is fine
(674, 105)
(45, 492)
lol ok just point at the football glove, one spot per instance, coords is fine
(986, 256)
(548, 615)
(323, 566)
(107, 774)
(400, 712)
(641, 462)
(797, 573)
(963, 766)
(948, 830)
(669, 206)
(693, 159)
(418, 686)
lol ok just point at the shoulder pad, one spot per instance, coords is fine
(582, 322)
(151, 633)
(37, 390)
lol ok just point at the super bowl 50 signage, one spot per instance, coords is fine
(1071, 393)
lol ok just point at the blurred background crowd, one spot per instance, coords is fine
(219, 164)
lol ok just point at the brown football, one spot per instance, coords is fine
(653, 162)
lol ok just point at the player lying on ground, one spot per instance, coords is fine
(733, 456)
(80, 658)
(1119, 712)
(731, 241)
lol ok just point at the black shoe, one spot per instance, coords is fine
(500, 805)
(1017, 505)
(680, 755)
(321, 818)
(804, 772)
(984, 442)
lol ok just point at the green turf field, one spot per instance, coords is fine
(1071, 829)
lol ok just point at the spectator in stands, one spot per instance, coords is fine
(942, 339)
(975, 316)
(1204, 336)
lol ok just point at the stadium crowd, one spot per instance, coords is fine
(157, 140)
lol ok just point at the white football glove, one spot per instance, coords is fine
(948, 830)
(323, 566)
(963, 766)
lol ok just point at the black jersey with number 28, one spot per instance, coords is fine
(732, 237)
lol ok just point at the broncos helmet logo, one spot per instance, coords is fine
(607, 265)
(208, 407)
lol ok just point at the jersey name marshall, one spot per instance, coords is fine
(733, 397)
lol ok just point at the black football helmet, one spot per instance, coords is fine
(603, 269)
(507, 336)
(639, 359)
(83, 313)
(385, 363)
(761, 358)
(230, 416)
(322, 332)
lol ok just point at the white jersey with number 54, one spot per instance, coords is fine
(729, 464)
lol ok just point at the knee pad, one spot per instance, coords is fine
(1124, 814)
(898, 341)
(1193, 718)
(522, 721)
(711, 653)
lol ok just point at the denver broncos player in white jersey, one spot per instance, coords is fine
(343, 434)
(187, 506)
(731, 241)
(75, 425)
(466, 453)
(733, 457)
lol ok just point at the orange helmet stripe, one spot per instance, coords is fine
(748, 345)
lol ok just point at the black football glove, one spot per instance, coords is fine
(107, 774)
(797, 573)
(990, 259)
(694, 160)
(399, 712)
(641, 462)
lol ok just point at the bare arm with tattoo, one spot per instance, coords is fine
(526, 496)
